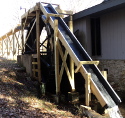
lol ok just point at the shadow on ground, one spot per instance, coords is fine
(18, 96)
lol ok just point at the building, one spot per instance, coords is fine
(101, 31)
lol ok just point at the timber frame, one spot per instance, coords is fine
(20, 43)
(11, 44)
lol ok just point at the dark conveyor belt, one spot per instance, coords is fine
(106, 90)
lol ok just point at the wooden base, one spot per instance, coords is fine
(73, 96)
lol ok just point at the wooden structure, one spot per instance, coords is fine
(36, 11)
(11, 43)
(62, 51)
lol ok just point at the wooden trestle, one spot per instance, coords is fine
(10, 44)
(36, 11)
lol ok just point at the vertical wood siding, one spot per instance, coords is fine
(113, 35)
(83, 26)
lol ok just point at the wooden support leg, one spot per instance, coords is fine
(13, 45)
(7, 48)
(38, 44)
(57, 78)
(72, 74)
(2, 48)
(88, 90)
(104, 73)
(22, 37)
(71, 61)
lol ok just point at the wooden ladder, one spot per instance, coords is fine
(35, 68)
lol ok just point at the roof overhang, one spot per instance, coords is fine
(100, 9)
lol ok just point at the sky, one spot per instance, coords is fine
(10, 12)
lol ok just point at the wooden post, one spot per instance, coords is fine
(71, 24)
(38, 43)
(71, 61)
(57, 78)
(104, 73)
(22, 37)
(7, 47)
(2, 47)
(88, 90)
(13, 45)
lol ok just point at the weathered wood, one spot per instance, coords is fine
(66, 67)
(62, 66)
(38, 43)
(88, 90)
(34, 55)
(85, 62)
(16, 29)
(22, 36)
(33, 67)
(57, 78)
(71, 61)
(34, 62)
(65, 12)
(87, 111)
(36, 70)
(104, 73)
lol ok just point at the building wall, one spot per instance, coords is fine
(115, 72)
(113, 35)
(112, 43)
(83, 25)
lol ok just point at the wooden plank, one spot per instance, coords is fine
(33, 67)
(85, 62)
(65, 12)
(17, 39)
(66, 68)
(22, 36)
(36, 70)
(71, 61)
(104, 73)
(30, 32)
(34, 55)
(62, 66)
(16, 29)
(88, 90)
(94, 89)
(57, 78)
(34, 62)
(30, 11)
(38, 44)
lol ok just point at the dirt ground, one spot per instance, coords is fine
(18, 97)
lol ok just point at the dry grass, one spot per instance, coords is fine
(18, 96)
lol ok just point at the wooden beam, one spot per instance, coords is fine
(83, 71)
(16, 29)
(35, 63)
(2, 48)
(38, 43)
(62, 66)
(50, 14)
(31, 11)
(57, 78)
(71, 60)
(65, 12)
(85, 62)
(104, 73)
(22, 36)
(66, 68)
(88, 90)
(29, 33)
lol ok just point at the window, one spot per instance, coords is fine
(95, 37)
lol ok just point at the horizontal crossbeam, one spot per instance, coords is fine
(85, 62)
